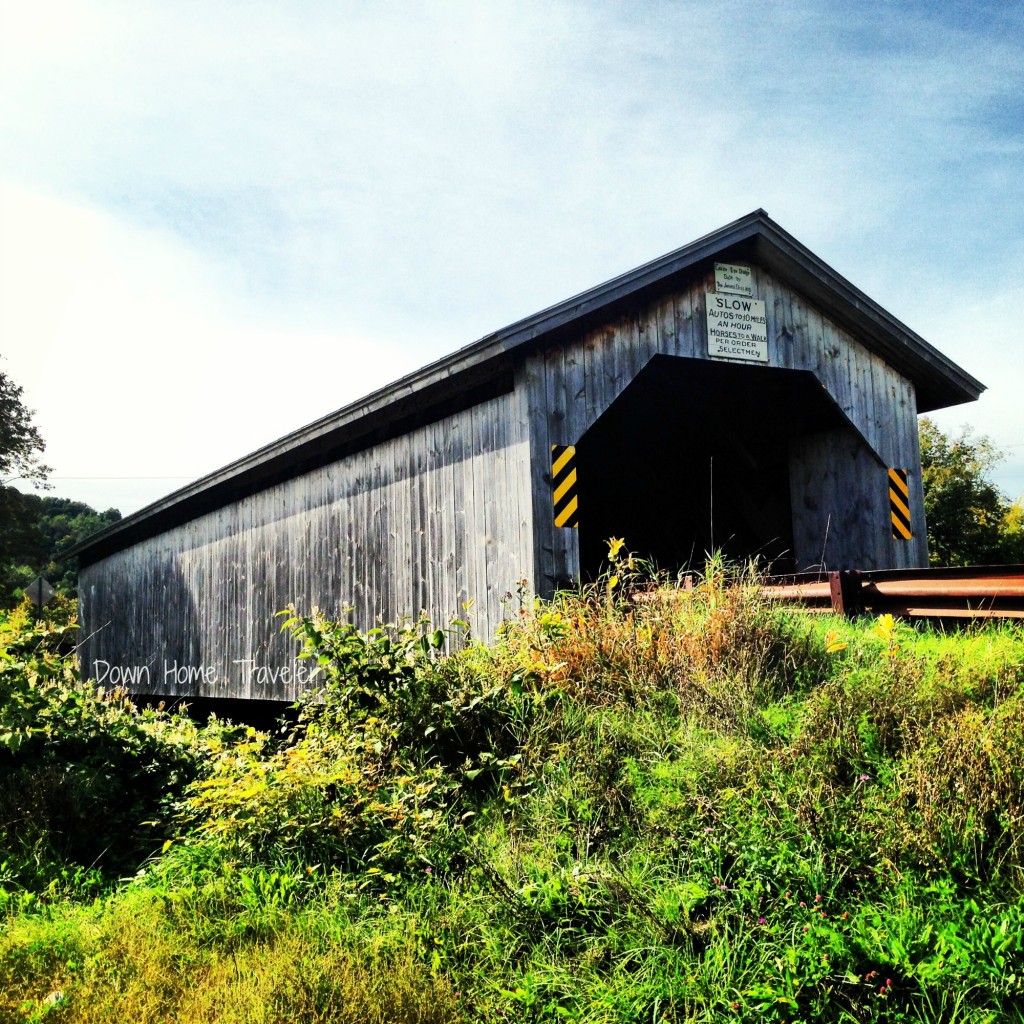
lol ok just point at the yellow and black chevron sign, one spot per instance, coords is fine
(563, 483)
(899, 504)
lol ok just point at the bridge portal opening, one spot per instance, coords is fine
(694, 456)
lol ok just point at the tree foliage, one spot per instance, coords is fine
(970, 521)
(21, 447)
(34, 532)
(35, 529)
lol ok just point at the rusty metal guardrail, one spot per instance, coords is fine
(972, 592)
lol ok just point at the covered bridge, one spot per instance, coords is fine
(735, 394)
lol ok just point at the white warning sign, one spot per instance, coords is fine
(737, 328)
(729, 277)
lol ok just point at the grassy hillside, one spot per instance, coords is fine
(693, 807)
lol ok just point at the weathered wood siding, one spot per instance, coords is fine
(460, 509)
(838, 484)
(425, 522)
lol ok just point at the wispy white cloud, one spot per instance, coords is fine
(134, 366)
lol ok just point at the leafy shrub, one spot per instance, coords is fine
(383, 749)
(83, 773)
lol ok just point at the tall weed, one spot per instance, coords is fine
(716, 648)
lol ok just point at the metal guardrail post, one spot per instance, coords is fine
(844, 590)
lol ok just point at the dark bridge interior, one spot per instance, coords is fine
(694, 456)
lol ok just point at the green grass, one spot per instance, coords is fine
(691, 808)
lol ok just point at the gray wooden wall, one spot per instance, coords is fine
(427, 521)
(460, 509)
(838, 482)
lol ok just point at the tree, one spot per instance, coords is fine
(21, 546)
(61, 524)
(970, 521)
(34, 530)
(20, 444)
(22, 553)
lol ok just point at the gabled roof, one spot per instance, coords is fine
(484, 368)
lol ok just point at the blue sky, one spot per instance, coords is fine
(221, 220)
